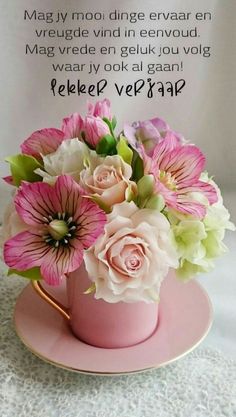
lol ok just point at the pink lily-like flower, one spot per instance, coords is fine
(72, 126)
(63, 222)
(42, 142)
(177, 169)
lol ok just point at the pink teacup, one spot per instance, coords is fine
(102, 324)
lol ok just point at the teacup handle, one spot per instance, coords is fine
(44, 294)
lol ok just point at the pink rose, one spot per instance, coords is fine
(94, 129)
(130, 260)
(107, 178)
(102, 109)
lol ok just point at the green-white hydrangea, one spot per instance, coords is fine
(199, 242)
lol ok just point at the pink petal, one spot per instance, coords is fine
(72, 126)
(184, 163)
(25, 250)
(92, 220)
(35, 201)
(42, 142)
(207, 189)
(95, 129)
(90, 107)
(169, 196)
(101, 108)
(163, 128)
(160, 125)
(165, 147)
(190, 207)
(84, 211)
(68, 194)
(61, 261)
(8, 180)
(129, 132)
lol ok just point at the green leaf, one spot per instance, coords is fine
(22, 168)
(146, 186)
(124, 151)
(32, 273)
(106, 146)
(113, 122)
(109, 124)
(91, 289)
(155, 202)
(138, 169)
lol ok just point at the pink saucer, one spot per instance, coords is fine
(184, 320)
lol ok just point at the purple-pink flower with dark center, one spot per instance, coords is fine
(177, 169)
(63, 222)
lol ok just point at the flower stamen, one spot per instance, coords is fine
(168, 180)
(60, 230)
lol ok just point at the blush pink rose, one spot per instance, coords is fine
(130, 260)
(107, 178)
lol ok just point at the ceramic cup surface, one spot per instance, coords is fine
(107, 325)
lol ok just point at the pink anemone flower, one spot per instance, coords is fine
(42, 142)
(63, 222)
(177, 169)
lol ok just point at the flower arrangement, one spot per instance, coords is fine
(130, 206)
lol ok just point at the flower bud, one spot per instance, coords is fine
(146, 186)
(131, 191)
(101, 108)
(94, 130)
(155, 202)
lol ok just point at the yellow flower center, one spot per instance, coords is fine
(168, 180)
